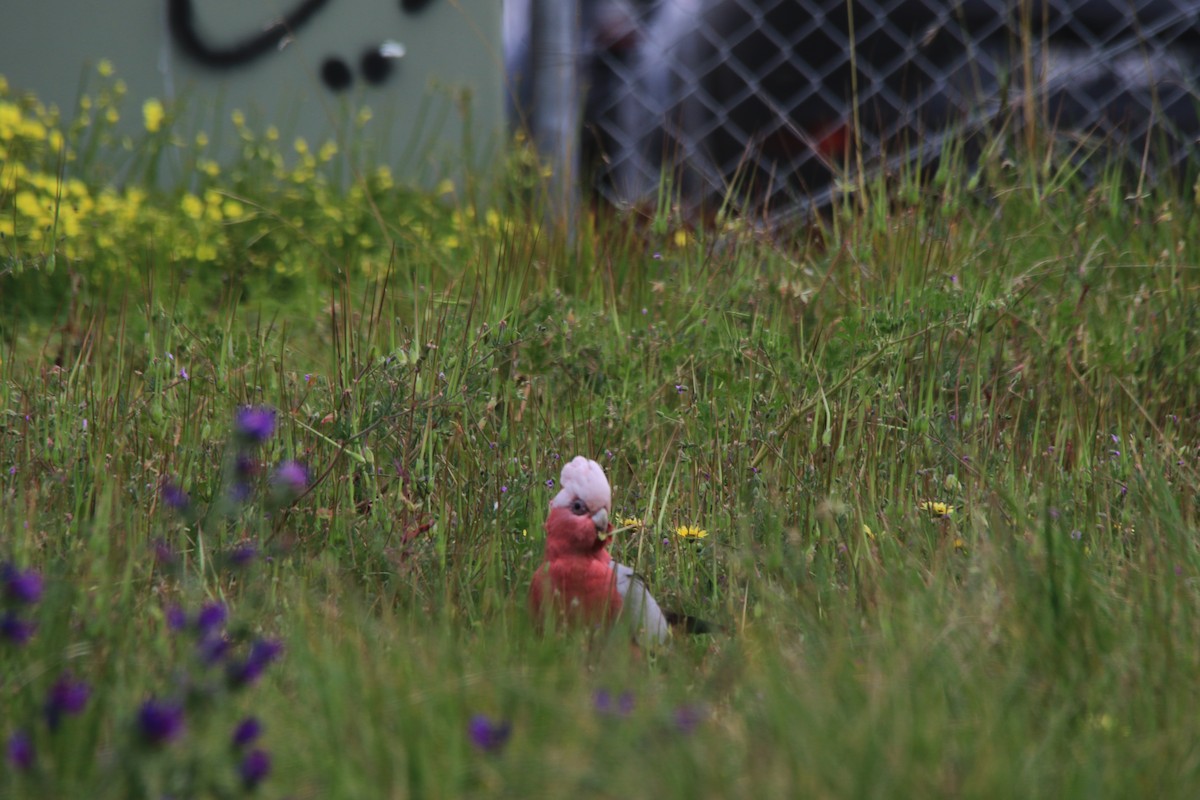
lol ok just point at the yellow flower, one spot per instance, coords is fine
(300, 145)
(202, 139)
(239, 118)
(104, 67)
(937, 508)
(445, 187)
(867, 530)
(630, 522)
(690, 532)
(959, 544)
(153, 114)
(681, 238)
(328, 151)
(192, 206)
(111, 115)
(272, 133)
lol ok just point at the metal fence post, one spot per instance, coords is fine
(555, 43)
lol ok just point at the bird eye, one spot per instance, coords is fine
(578, 507)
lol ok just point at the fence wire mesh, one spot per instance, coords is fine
(771, 103)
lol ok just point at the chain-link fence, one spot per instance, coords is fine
(770, 102)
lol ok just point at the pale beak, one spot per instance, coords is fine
(600, 520)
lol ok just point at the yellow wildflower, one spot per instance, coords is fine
(445, 187)
(272, 133)
(239, 118)
(111, 115)
(201, 139)
(328, 150)
(300, 145)
(690, 532)
(867, 530)
(937, 508)
(104, 67)
(630, 522)
(192, 206)
(681, 238)
(153, 114)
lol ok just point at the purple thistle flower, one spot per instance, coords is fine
(488, 736)
(163, 554)
(212, 649)
(176, 618)
(254, 767)
(243, 554)
(66, 697)
(16, 630)
(244, 467)
(21, 586)
(211, 618)
(687, 718)
(160, 721)
(262, 653)
(20, 750)
(246, 732)
(254, 424)
(289, 481)
(603, 701)
(175, 497)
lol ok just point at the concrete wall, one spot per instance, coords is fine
(306, 66)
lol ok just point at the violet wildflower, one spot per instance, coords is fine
(174, 496)
(289, 481)
(176, 618)
(1076, 535)
(21, 586)
(164, 556)
(243, 554)
(211, 618)
(254, 424)
(247, 731)
(247, 671)
(488, 736)
(212, 649)
(16, 630)
(549, 483)
(67, 697)
(254, 767)
(687, 718)
(160, 721)
(20, 750)
(605, 705)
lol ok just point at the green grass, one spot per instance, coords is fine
(1021, 351)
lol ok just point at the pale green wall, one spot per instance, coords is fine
(47, 45)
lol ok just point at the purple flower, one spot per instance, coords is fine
(176, 618)
(212, 648)
(183, 373)
(174, 496)
(289, 481)
(603, 701)
(16, 630)
(21, 586)
(247, 671)
(549, 483)
(254, 424)
(243, 554)
(163, 554)
(67, 697)
(160, 721)
(211, 618)
(1077, 535)
(20, 750)
(687, 718)
(244, 467)
(254, 767)
(246, 732)
(488, 736)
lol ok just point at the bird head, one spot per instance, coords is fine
(578, 519)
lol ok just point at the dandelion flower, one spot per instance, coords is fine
(691, 532)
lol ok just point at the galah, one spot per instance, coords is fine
(579, 578)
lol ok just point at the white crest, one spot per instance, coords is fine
(583, 478)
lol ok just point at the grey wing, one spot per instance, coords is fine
(641, 607)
